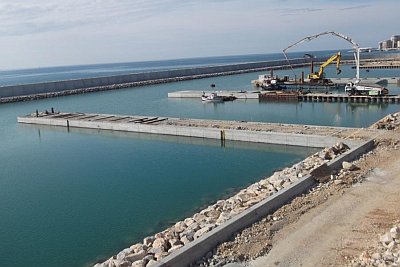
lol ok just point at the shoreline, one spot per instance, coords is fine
(157, 247)
(154, 249)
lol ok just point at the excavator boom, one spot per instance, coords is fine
(319, 75)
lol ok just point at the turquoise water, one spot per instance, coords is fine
(70, 198)
(67, 199)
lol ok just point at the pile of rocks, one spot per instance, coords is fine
(390, 122)
(387, 252)
(156, 247)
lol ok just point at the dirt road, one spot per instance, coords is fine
(345, 225)
(332, 225)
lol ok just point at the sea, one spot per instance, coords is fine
(71, 198)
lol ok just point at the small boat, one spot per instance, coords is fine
(213, 97)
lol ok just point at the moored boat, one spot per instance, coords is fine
(213, 97)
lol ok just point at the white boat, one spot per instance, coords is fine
(267, 82)
(213, 97)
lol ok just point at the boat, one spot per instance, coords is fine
(267, 82)
(213, 97)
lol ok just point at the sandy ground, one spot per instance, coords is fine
(334, 223)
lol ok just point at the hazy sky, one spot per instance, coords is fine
(37, 33)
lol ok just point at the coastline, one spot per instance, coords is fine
(342, 171)
(155, 248)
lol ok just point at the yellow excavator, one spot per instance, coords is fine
(320, 75)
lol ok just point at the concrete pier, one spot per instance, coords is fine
(296, 135)
(292, 96)
(375, 80)
(239, 94)
(349, 99)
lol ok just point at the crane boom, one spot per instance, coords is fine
(347, 38)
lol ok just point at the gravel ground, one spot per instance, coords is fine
(340, 132)
(338, 223)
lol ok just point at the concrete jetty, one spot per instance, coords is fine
(239, 94)
(371, 80)
(395, 99)
(283, 134)
(291, 96)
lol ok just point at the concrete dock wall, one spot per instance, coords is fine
(200, 247)
(201, 132)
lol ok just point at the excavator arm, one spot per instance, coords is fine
(329, 61)
(320, 73)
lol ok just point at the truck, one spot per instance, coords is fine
(353, 88)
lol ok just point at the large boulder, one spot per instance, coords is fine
(148, 241)
(140, 263)
(348, 166)
(136, 256)
(160, 242)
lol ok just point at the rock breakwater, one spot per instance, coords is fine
(117, 86)
(156, 247)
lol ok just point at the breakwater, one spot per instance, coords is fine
(68, 87)
(24, 92)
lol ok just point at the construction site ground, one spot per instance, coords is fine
(335, 222)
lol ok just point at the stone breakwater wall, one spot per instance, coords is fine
(67, 87)
(25, 92)
(156, 247)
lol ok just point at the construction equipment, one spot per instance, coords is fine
(360, 89)
(320, 75)
(336, 34)
(353, 87)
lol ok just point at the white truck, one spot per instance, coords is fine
(352, 88)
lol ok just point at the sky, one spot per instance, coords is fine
(40, 33)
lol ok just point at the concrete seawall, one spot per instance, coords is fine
(139, 78)
(24, 92)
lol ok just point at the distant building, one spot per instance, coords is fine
(392, 43)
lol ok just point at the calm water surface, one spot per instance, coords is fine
(69, 198)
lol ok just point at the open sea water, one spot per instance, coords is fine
(71, 198)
